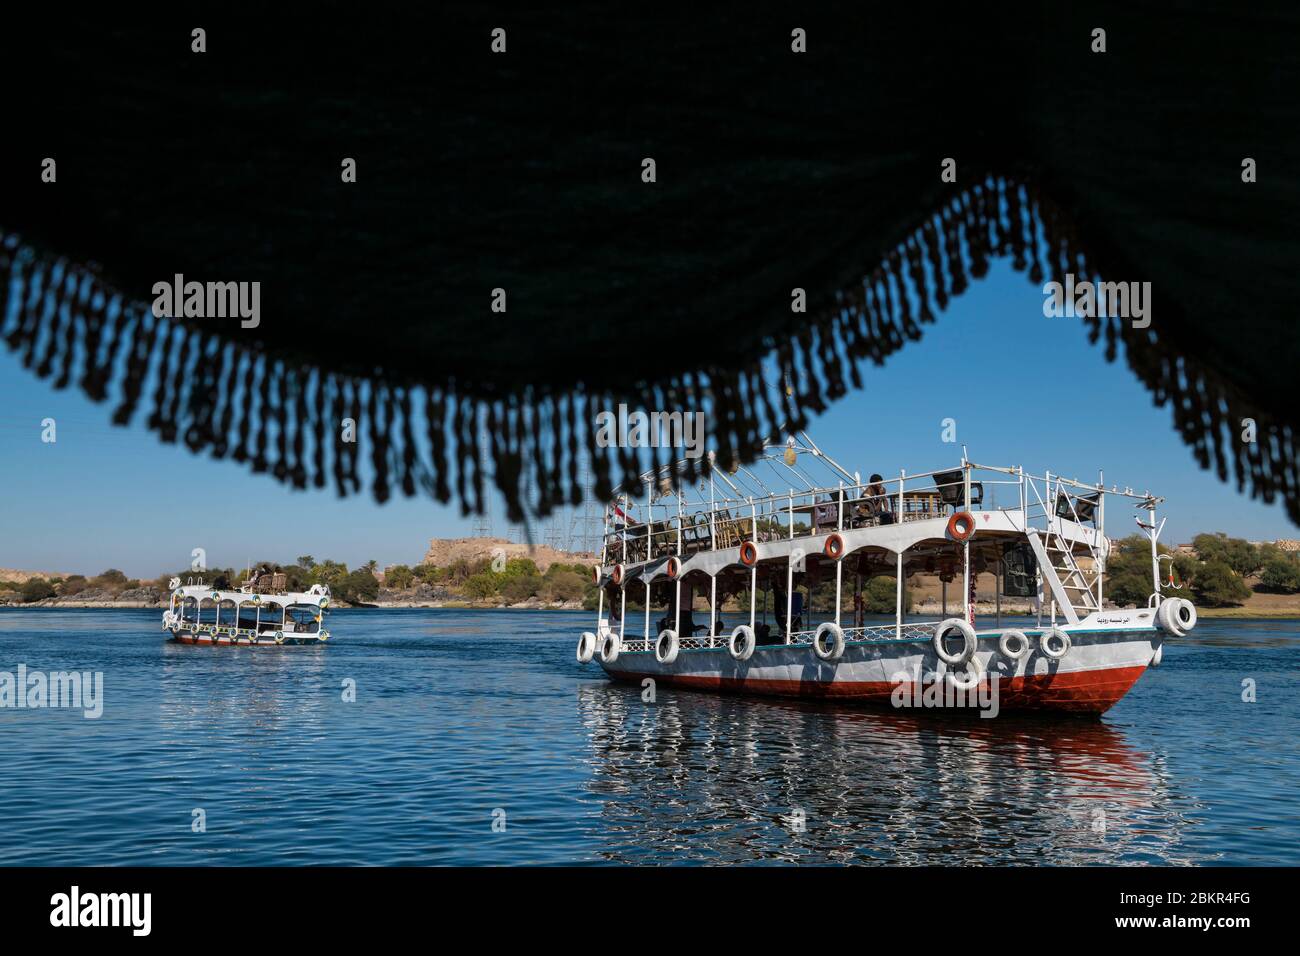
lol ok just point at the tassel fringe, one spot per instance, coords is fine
(304, 425)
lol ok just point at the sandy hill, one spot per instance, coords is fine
(21, 577)
(443, 551)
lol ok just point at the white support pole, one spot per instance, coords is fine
(713, 607)
(902, 476)
(1102, 545)
(753, 572)
(789, 597)
(677, 598)
(898, 583)
(898, 599)
(839, 565)
(1155, 553)
(647, 613)
(789, 574)
(968, 608)
(713, 540)
(649, 519)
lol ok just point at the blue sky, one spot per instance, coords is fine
(1023, 389)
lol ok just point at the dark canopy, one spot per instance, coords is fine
(522, 171)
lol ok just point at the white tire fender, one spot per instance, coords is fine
(1167, 619)
(741, 642)
(1054, 643)
(609, 648)
(969, 641)
(666, 647)
(1014, 645)
(828, 642)
(586, 647)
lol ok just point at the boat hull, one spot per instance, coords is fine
(1099, 669)
(188, 637)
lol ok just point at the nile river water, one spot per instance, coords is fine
(475, 738)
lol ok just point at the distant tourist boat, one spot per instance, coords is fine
(262, 612)
(796, 549)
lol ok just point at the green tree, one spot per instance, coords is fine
(458, 571)
(521, 587)
(331, 573)
(1237, 553)
(37, 589)
(399, 576)
(1216, 584)
(75, 584)
(1128, 571)
(1281, 574)
(563, 585)
(480, 586)
(358, 587)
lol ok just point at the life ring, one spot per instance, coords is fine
(616, 576)
(974, 672)
(279, 637)
(833, 650)
(834, 547)
(586, 647)
(666, 647)
(1045, 643)
(748, 554)
(969, 641)
(673, 567)
(741, 643)
(609, 648)
(961, 525)
(1021, 640)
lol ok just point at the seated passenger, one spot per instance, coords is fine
(878, 502)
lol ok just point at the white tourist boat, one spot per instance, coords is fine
(261, 612)
(797, 549)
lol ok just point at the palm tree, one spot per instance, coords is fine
(372, 566)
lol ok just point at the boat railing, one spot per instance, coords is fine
(651, 530)
(910, 631)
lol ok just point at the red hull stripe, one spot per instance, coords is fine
(1085, 691)
(227, 642)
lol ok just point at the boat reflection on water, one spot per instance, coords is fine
(215, 697)
(696, 777)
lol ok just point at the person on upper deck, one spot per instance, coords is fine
(878, 504)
